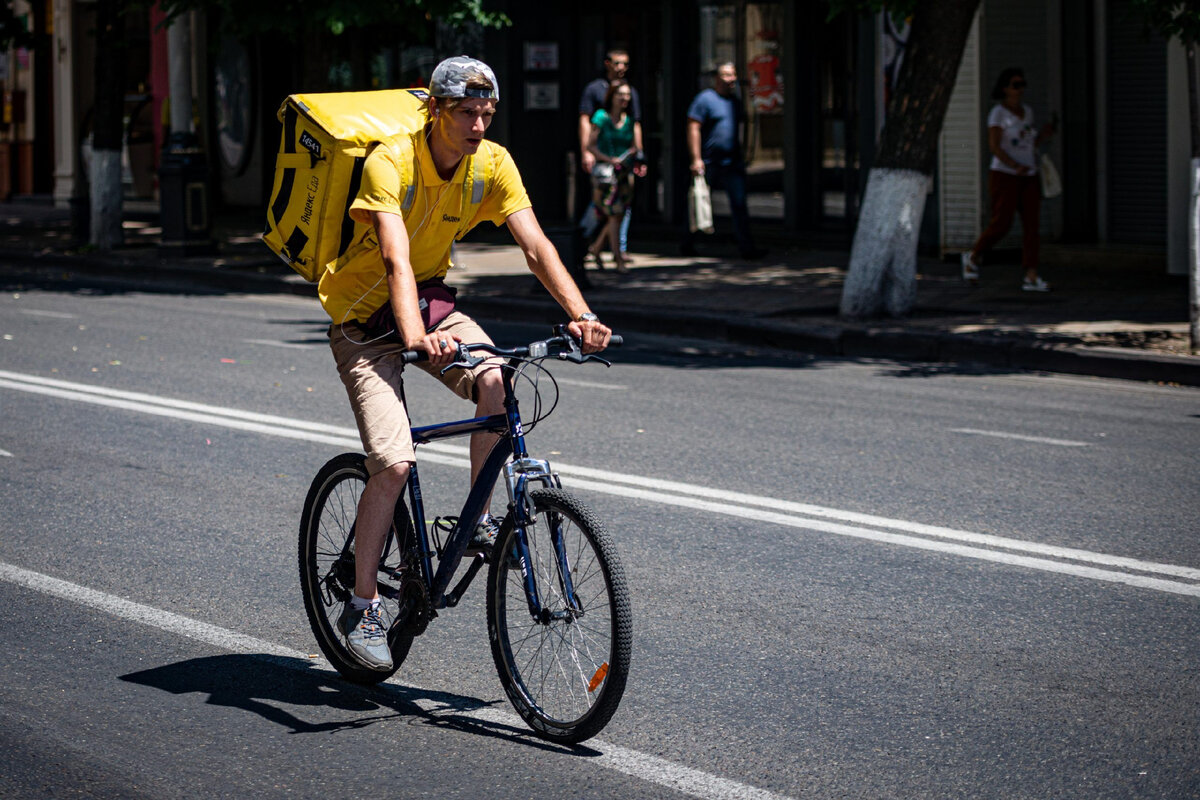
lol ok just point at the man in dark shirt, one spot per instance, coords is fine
(616, 64)
(714, 144)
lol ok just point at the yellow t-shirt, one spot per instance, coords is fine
(359, 287)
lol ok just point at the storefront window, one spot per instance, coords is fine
(751, 36)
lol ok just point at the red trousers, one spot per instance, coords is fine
(1012, 194)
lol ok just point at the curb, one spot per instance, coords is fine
(852, 341)
(849, 341)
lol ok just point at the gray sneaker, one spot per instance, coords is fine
(366, 638)
(485, 535)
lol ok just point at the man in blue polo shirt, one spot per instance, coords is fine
(714, 143)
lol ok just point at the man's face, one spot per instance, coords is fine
(463, 127)
(726, 80)
(616, 66)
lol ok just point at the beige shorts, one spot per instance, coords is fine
(372, 374)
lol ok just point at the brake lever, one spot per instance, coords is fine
(464, 360)
(575, 354)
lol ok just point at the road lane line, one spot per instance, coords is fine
(277, 343)
(33, 312)
(633, 763)
(737, 504)
(590, 384)
(1020, 437)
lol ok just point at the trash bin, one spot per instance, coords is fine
(183, 197)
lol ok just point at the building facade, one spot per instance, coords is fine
(815, 90)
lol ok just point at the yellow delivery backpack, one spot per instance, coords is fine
(326, 140)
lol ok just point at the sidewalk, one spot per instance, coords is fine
(1111, 314)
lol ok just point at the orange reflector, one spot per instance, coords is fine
(598, 678)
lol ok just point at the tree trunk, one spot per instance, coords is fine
(108, 126)
(882, 276)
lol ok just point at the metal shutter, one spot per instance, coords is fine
(960, 152)
(1137, 130)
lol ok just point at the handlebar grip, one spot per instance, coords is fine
(413, 356)
(616, 340)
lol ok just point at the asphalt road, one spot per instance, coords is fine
(850, 578)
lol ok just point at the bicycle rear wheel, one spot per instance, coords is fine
(563, 666)
(327, 564)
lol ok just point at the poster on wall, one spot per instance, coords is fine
(541, 56)
(541, 96)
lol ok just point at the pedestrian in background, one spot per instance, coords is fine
(616, 65)
(1013, 183)
(615, 143)
(714, 143)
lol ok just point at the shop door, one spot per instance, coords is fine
(751, 36)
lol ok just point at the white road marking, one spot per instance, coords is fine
(276, 343)
(620, 759)
(590, 384)
(987, 547)
(1020, 437)
(33, 312)
(5, 454)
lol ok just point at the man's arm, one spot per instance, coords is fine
(693, 144)
(544, 262)
(585, 134)
(402, 290)
(640, 169)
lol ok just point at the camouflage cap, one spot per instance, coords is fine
(450, 78)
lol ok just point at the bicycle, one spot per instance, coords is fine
(557, 604)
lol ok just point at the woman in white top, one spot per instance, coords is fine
(1013, 183)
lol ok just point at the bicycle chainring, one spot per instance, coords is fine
(415, 609)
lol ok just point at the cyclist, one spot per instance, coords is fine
(393, 282)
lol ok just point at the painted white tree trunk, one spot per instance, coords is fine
(882, 278)
(1194, 256)
(107, 194)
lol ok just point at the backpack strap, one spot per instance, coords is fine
(477, 182)
(407, 158)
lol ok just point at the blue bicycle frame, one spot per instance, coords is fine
(518, 474)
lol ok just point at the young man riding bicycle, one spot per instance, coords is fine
(393, 283)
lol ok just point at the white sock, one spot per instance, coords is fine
(361, 603)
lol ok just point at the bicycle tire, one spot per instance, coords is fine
(565, 673)
(327, 579)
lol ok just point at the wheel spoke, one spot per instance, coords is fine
(552, 661)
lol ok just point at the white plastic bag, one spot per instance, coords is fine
(700, 217)
(1051, 182)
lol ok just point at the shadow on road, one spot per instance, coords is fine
(281, 689)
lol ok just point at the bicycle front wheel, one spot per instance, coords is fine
(562, 640)
(327, 564)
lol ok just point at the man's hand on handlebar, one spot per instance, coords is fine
(593, 335)
(442, 347)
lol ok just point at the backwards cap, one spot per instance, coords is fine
(450, 78)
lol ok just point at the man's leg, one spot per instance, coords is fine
(735, 187)
(590, 220)
(375, 509)
(489, 400)
(371, 373)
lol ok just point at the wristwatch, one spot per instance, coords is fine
(587, 317)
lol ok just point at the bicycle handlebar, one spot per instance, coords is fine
(563, 344)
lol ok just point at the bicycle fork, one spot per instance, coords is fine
(517, 476)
